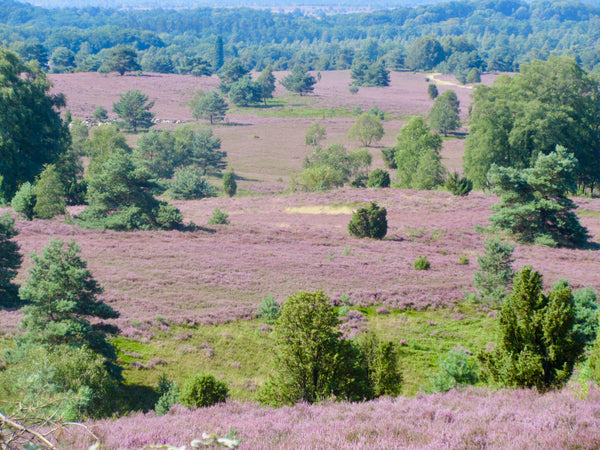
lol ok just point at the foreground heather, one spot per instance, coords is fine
(475, 418)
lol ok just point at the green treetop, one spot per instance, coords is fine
(417, 156)
(443, 116)
(299, 81)
(10, 261)
(32, 133)
(534, 203)
(133, 108)
(366, 129)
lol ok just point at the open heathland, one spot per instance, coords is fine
(188, 299)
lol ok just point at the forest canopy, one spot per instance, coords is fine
(490, 35)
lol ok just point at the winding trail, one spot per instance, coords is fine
(447, 83)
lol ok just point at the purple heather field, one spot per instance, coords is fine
(469, 419)
(285, 243)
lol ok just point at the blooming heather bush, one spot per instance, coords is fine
(470, 418)
(202, 391)
(370, 221)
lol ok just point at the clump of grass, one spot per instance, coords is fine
(463, 260)
(422, 263)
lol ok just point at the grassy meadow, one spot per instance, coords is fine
(188, 300)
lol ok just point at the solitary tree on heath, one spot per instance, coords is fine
(443, 117)
(367, 129)
(299, 81)
(134, 109)
(209, 106)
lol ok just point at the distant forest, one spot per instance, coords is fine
(456, 37)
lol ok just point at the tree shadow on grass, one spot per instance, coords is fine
(135, 397)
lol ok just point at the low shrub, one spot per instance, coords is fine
(269, 309)
(379, 178)
(189, 183)
(229, 183)
(24, 201)
(202, 391)
(422, 263)
(219, 217)
(458, 185)
(369, 222)
(457, 368)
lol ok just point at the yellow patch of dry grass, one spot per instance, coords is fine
(320, 209)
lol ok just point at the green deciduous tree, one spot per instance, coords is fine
(425, 53)
(314, 362)
(202, 391)
(333, 167)
(32, 133)
(24, 201)
(534, 203)
(10, 261)
(370, 221)
(133, 108)
(537, 347)
(209, 106)
(299, 81)
(121, 59)
(63, 297)
(315, 134)
(367, 129)
(443, 116)
(418, 156)
(62, 60)
(549, 103)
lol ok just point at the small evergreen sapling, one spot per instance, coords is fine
(458, 185)
(219, 217)
(422, 263)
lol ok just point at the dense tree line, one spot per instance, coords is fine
(454, 37)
